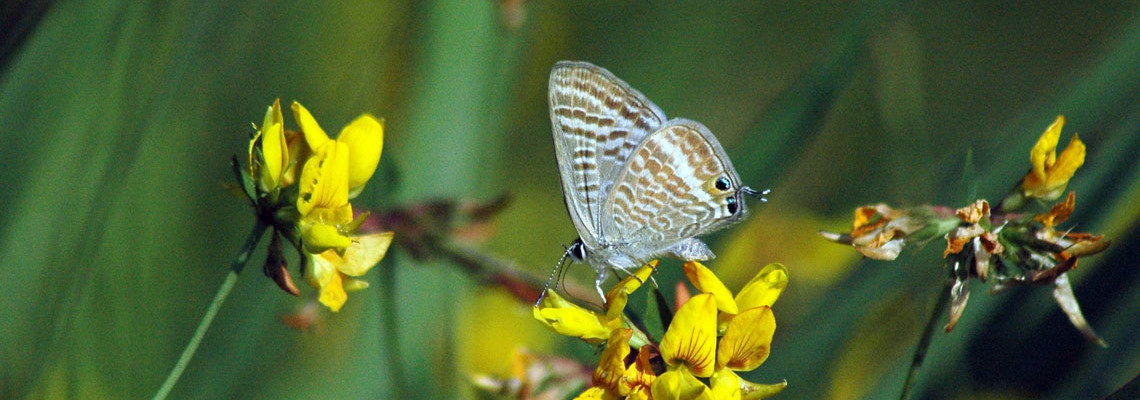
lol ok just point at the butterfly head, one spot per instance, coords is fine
(576, 251)
(734, 193)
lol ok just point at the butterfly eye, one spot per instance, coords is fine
(721, 184)
(731, 202)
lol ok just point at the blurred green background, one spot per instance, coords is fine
(118, 120)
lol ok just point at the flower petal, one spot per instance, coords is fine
(569, 319)
(611, 365)
(321, 268)
(593, 393)
(725, 384)
(1044, 152)
(322, 274)
(364, 252)
(324, 180)
(618, 296)
(273, 114)
(639, 393)
(353, 285)
(252, 162)
(640, 374)
(765, 288)
(314, 135)
(1059, 212)
(691, 337)
(747, 340)
(319, 237)
(886, 251)
(706, 281)
(757, 391)
(299, 151)
(679, 384)
(333, 295)
(974, 212)
(275, 154)
(1063, 293)
(365, 140)
(957, 239)
(1050, 173)
(1068, 162)
(959, 296)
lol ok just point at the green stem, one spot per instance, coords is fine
(924, 342)
(204, 325)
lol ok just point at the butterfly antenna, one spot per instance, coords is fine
(755, 193)
(553, 274)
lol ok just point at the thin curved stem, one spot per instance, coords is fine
(204, 325)
(924, 342)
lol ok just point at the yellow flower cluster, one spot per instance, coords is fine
(711, 336)
(315, 214)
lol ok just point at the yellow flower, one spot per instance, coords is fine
(749, 325)
(332, 272)
(570, 319)
(364, 138)
(1051, 173)
(268, 151)
(690, 348)
(335, 169)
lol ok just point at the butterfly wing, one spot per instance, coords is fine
(676, 185)
(598, 120)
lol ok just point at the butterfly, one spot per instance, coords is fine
(637, 185)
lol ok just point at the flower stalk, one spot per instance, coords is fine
(314, 216)
(212, 311)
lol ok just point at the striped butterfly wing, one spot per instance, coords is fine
(598, 120)
(678, 184)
